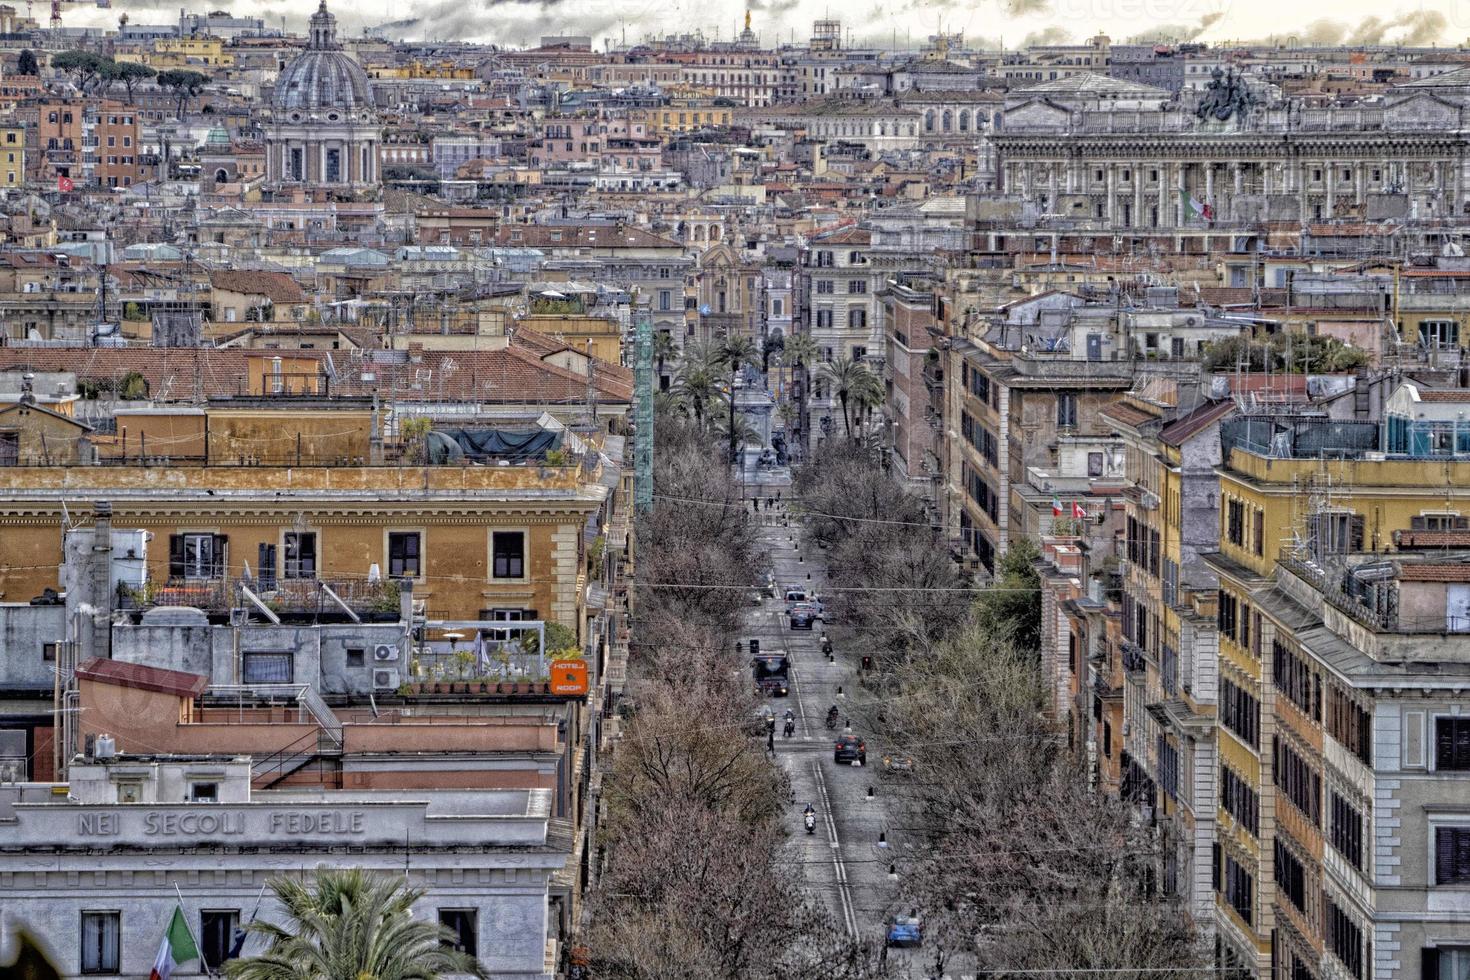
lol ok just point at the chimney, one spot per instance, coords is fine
(405, 600)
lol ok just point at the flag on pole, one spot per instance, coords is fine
(1077, 511)
(64, 184)
(177, 947)
(1194, 207)
(1056, 507)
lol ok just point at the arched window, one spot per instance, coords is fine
(929, 120)
(946, 121)
(964, 120)
(221, 176)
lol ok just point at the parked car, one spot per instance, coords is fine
(905, 930)
(850, 749)
(898, 764)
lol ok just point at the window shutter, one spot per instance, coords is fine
(1356, 533)
(221, 545)
(1444, 856)
(1429, 964)
(175, 556)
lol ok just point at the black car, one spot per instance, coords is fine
(850, 749)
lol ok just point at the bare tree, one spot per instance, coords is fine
(1024, 867)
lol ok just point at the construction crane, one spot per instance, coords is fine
(56, 6)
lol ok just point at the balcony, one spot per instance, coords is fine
(1145, 499)
(293, 598)
(1135, 661)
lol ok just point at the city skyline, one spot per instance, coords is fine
(886, 23)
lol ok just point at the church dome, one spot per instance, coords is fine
(322, 76)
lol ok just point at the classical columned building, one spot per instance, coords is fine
(1165, 166)
(323, 129)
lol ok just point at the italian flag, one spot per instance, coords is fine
(177, 947)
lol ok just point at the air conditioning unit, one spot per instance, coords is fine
(385, 680)
(384, 653)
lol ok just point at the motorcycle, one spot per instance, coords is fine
(810, 816)
(832, 716)
(789, 729)
(826, 645)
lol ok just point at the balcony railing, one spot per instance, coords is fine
(1135, 661)
(293, 596)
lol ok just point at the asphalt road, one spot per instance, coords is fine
(847, 861)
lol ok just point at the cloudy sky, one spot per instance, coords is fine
(909, 22)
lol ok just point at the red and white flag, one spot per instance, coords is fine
(64, 183)
(1077, 511)
(178, 944)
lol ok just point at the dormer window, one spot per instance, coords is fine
(200, 792)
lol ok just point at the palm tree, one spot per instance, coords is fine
(696, 386)
(801, 353)
(738, 432)
(734, 354)
(351, 925)
(663, 349)
(847, 378)
(867, 394)
(774, 345)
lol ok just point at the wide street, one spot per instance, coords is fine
(848, 860)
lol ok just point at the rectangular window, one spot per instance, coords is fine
(1239, 889)
(1344, 939)
(857, 286)
(1291, 877)
(1452, 743)
(1296, 680)
(508, 554)
(1094, 464)
(204, 792)
(266, 668)
(1350, 724)
(462, 923)
(1235, 522)
(1240, 712)
(825, 286)
(48, 652)
(300, 554)
(1298, 781)
(1240, 801)
(404, 554)
(1334, 533)
(1066, 410)
(857, 318)
(101, 942)
(1258, 541)
(196, 556)
(1346, 832)
(1452, 855)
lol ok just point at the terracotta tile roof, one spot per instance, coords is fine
(1431, 539)
(1447, 572)
(278, 287)
(1451, 395)
(1130, 415)
(139, 677)
(514, 375)
(172, 373)
(1202, 417)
